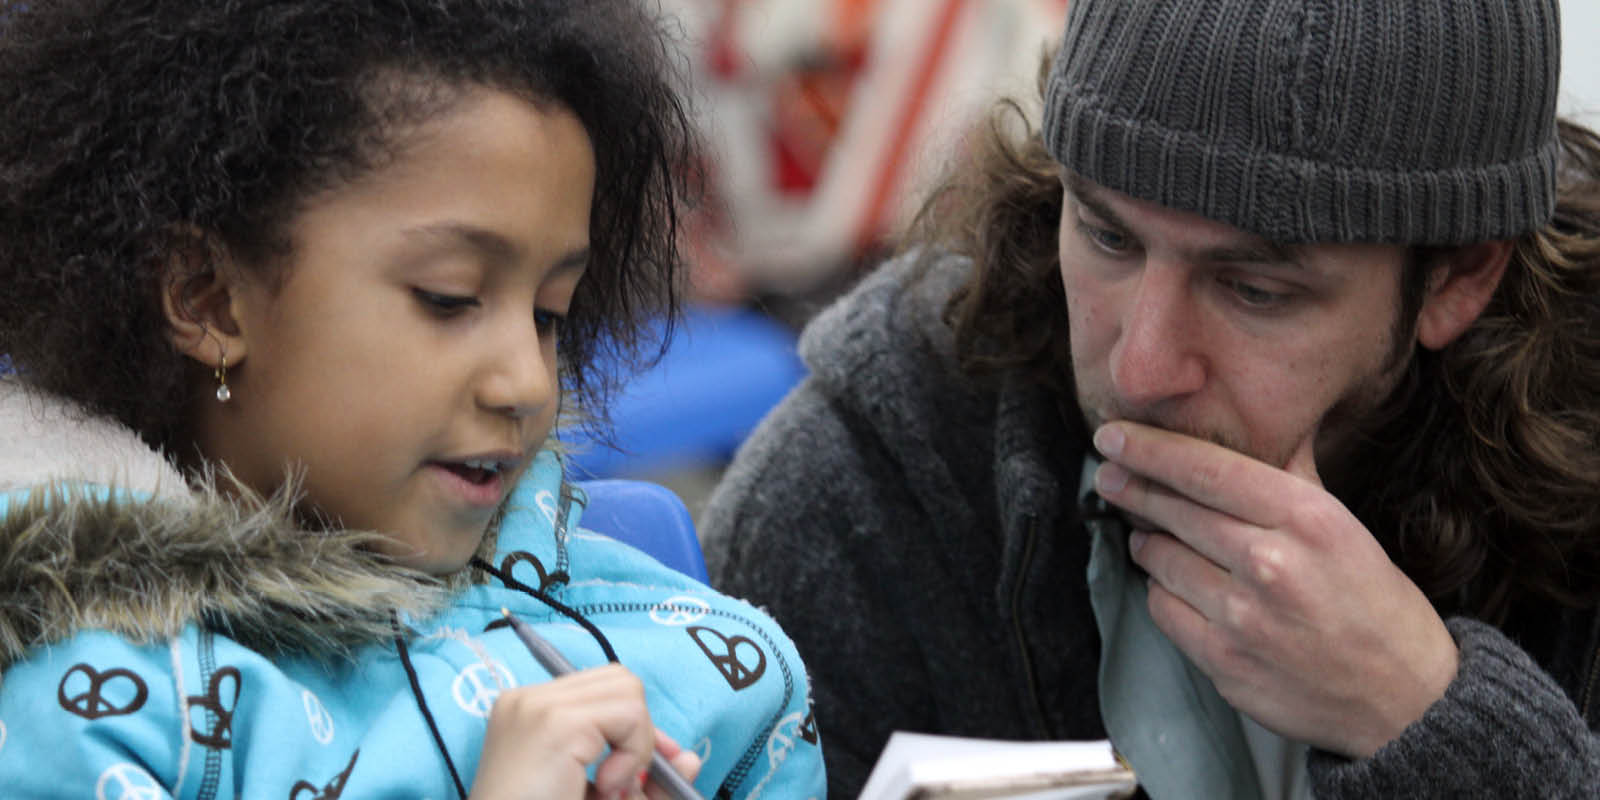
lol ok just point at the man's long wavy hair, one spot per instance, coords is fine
(1481, 474)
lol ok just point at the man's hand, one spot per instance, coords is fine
(1275, 590)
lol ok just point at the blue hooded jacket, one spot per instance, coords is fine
(161, 642)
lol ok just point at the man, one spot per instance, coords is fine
(1248, 414)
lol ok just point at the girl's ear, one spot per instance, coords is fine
(200, 297)
(1459, 288)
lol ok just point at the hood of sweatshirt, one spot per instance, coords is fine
(100, 532)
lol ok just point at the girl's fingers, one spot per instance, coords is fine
(685, 762)
(542, 737)
(665, 744)
(627, 729)
(585, 713)
(622, 772)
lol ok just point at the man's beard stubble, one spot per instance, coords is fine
(1342, 431)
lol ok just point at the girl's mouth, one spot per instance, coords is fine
(478, 482)
(474, 471)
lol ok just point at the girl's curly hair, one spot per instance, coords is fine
(1480, 474)
(131, 125)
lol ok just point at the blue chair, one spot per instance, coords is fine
(647, 516)
(723, 371)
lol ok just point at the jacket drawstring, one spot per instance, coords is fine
(427, 715)
(416, 685)
(605, 644)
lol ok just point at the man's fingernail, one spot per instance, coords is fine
(1109, 440)
(1136, 541)
(1110, 478)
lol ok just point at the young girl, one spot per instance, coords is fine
(293, 290)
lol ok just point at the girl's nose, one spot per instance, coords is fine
(1159, 354)
(520, 380)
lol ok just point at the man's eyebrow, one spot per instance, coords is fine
(1083, 194)
(1253, 251)
(1250, 250)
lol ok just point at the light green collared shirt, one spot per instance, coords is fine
(1161, 712)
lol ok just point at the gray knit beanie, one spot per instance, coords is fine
(1400, 121)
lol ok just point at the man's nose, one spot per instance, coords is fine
(1159, 354)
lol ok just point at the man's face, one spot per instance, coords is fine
(1195, 326)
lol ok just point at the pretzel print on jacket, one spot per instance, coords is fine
(728, 656)
(331, 791)
(100, 696)
(219, 709)
(547, 579)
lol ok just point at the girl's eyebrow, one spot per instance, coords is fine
(495, 249)
(574, 260)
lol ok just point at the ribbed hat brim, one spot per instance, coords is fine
(1423, 122)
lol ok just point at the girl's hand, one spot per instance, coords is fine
(542, 738)
(684, 761)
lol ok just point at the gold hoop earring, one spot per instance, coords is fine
(221, 373)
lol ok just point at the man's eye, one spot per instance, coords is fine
(1255, 296)
(1106, 239)
(444, 304)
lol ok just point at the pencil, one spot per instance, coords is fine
(556, 664)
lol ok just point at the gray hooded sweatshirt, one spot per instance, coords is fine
(917, 531)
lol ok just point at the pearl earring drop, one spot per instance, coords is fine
(221, 373)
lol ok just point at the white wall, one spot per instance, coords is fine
(1580, 60)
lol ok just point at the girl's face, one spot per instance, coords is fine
(407, 361)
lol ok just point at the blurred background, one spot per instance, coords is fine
(826, 120)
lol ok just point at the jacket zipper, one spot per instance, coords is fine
(1037, 706)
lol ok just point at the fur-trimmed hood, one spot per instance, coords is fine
(248, 657)
(99, 531)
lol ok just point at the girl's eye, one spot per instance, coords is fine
(444, 304)
(548, 322)
(1111, 241)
